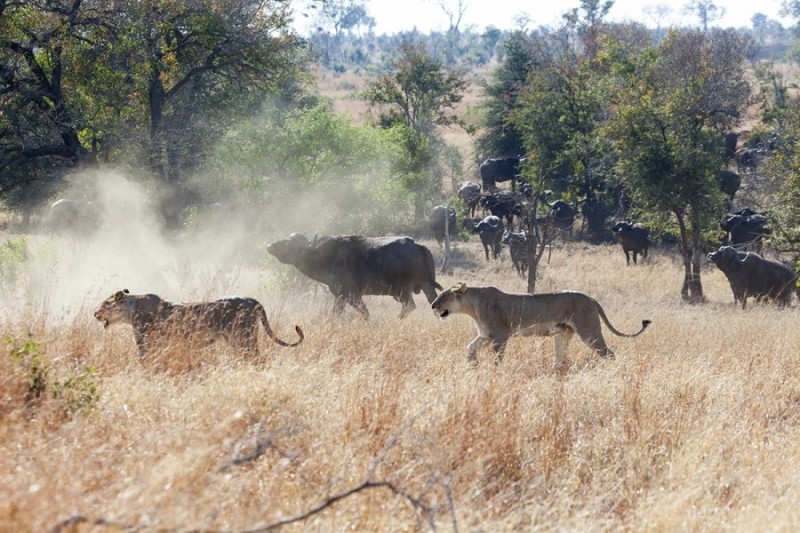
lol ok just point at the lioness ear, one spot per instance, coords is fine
(120, 295)
(459, 287)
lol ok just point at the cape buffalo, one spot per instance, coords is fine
(503, 204)
(470, 193)
(490, 230)
(436, 219)
(353, 266)
(518, 249)
(745, 228)
(562, 214)
(500, 169)
(66, 215)
(634, 238)
(751, 275)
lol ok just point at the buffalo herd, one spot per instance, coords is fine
(354, 266)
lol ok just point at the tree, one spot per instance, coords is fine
(455, 14)
(706, 12)
(417, 98)
(41, 123)
(671, 110)
(155, 77)
(563, 105)
(334, 19)
(421, 93)
(500, 136)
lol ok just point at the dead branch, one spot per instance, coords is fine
(264, 443)
(331, 500)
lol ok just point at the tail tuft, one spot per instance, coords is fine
(300, 334)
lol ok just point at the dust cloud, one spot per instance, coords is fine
(116, 240)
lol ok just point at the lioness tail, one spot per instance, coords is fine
(268, 330)
(614, 330)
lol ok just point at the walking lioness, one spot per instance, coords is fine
(155, 320)
(499, 315)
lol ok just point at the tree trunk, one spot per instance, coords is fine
(695, 284)
(156, 104)
(692, 288)
(446, 259)
(536, 247)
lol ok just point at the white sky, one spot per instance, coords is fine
(427, 15)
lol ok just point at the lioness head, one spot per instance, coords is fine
(450, 301)
(114, 309)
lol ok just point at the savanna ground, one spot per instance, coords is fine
(385, 427)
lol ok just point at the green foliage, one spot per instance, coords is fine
(421, 92)
(14, 254)
(77, 393)
(74, 394)
(30, 366)
(667, 128)
(295, 157)
(418, 96)
(501, 136)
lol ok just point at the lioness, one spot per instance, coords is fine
(499, 315)
(234, 318)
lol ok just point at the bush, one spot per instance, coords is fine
(13, 255)
(28, 382)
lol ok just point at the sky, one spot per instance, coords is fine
(393, 16)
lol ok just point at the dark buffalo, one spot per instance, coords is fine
(353, 266)
(517, 243)
(747, 160)
(490, 230)
(503, 204)
(437, 222)
(634, 238)
(745, 229)
(499, 169)
(729, 142)
(562, 214)
(67, 215)
(749, 274)
(470, 193)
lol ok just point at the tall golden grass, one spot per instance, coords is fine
(384, 426)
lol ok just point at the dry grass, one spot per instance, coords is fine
(695, 425)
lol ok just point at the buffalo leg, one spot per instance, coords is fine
(430, 292)
(408, 303)
(338, 304)
(359, 305)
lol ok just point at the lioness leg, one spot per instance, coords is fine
(591, 334)
(499, 347)
(560, 343)
(474, 346)
(245, 339)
